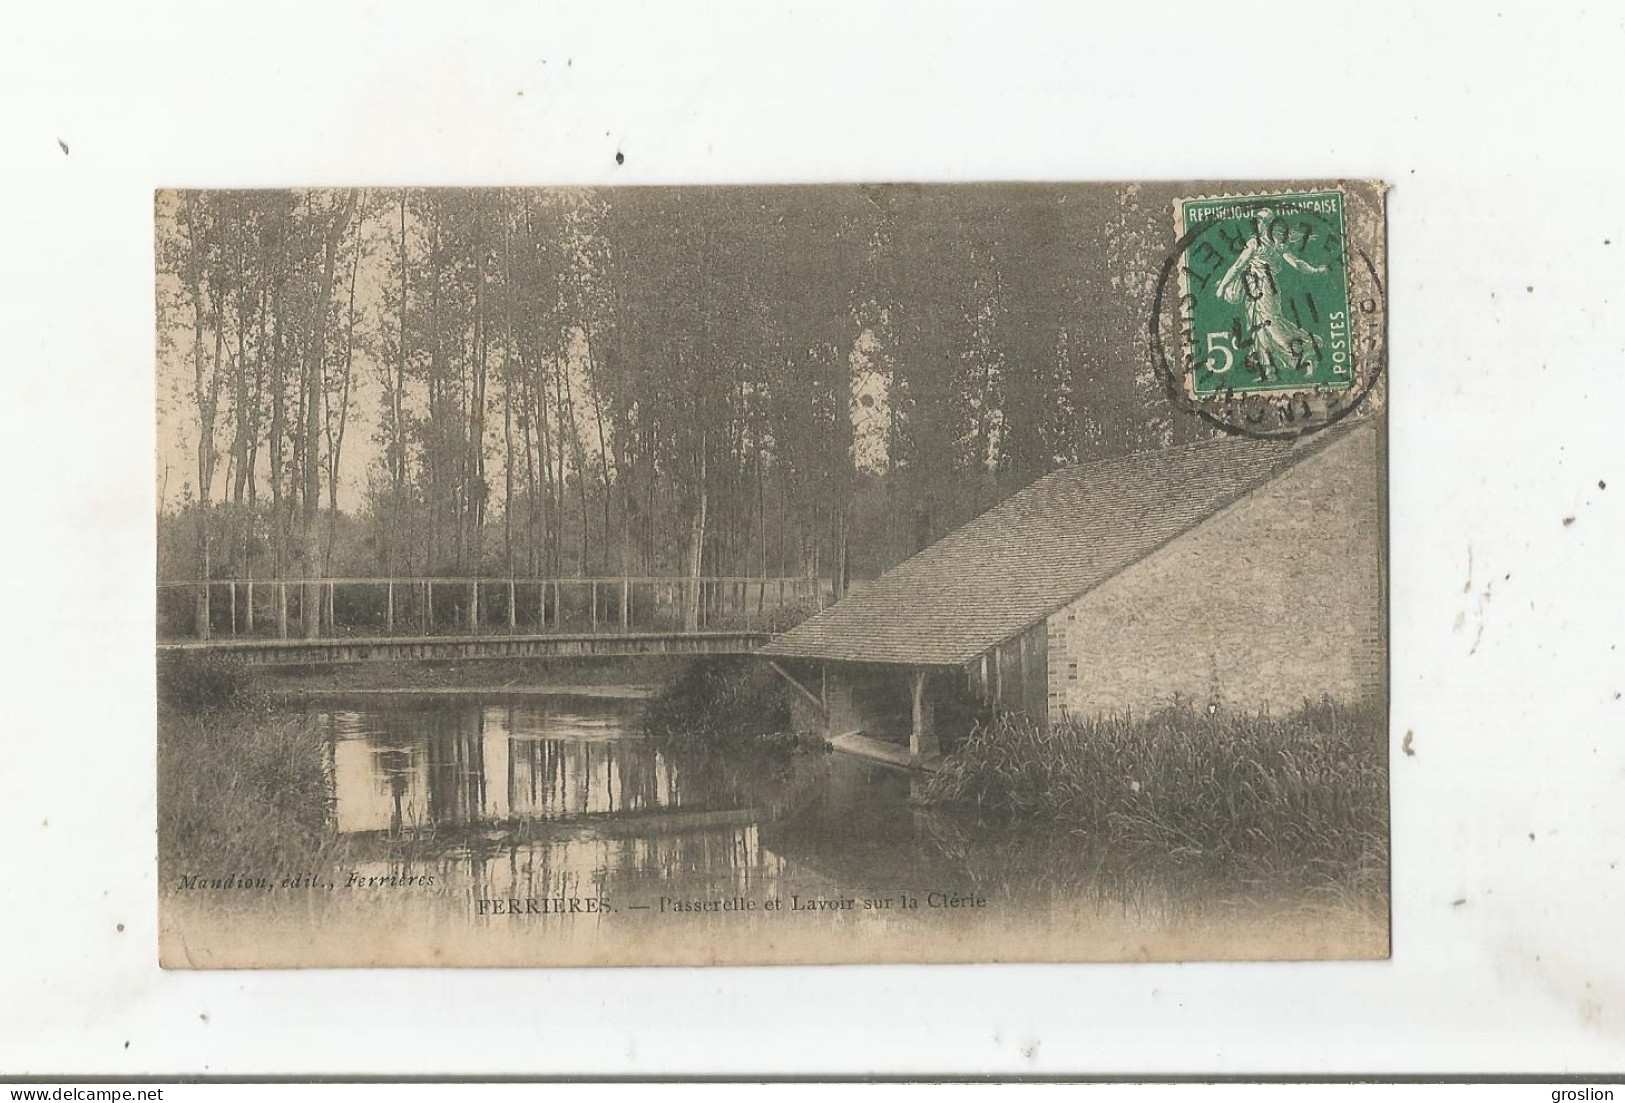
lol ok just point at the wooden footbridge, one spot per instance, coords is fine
(333, 620)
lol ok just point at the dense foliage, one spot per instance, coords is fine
(659, 381)
(726, 704)
(201, 682)
(241, 788)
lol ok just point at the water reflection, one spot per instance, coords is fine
(554, 798)
(413, 766)
(558, 801)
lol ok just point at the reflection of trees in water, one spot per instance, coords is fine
(704, 862)
(552, 778)
(456, 779)
(428, 766)
(394, 766)
(447, 770)
(518, 802)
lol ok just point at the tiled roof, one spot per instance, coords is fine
(1037, 551)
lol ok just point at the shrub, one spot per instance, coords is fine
(716, 703)
(782, 618)
(196, 681)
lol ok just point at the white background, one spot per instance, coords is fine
(1499, 127)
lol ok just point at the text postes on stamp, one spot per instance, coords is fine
(1267, 291)
(1270, 310)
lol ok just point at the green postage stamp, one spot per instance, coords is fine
(1265, 294)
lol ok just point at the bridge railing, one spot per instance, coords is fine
(354, 607)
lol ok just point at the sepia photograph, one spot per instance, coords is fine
(840, 573)
(564, 543)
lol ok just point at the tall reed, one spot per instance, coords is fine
(1300, 795)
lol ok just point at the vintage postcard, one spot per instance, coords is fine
(758, 575)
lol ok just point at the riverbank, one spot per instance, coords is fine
(241, 787)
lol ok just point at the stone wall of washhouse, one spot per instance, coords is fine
(1278, 598)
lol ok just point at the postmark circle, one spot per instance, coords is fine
(1262, 259)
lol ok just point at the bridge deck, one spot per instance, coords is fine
(550, 645)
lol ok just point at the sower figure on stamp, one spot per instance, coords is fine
(1277, 341)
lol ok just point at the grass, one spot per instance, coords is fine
(241, 789)
(1300, 797)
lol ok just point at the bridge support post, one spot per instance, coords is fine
(389, 606)
(626, 603)
(234, 608)
(204, 613)
(248, 611)
(474, 607)
(594, 603)
(513, 610)
(282, 610)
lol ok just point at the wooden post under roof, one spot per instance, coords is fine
(922, 739)
(1021, 671)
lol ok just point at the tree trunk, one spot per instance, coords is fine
(335, 436)
(507, 472)
(696, 549)
(206, 395)
(311, 597)
(397, 465)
